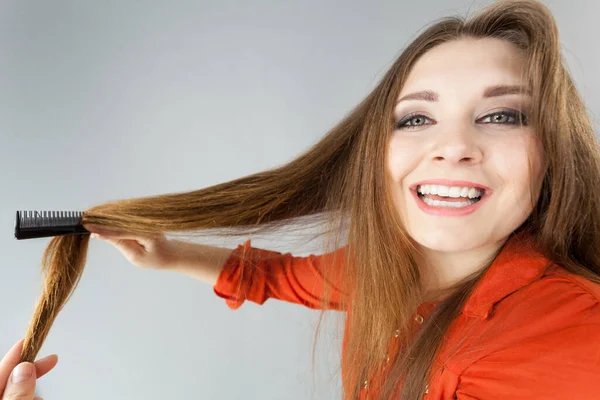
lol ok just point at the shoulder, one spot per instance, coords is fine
(563, 298)
(557, 303)
(558, 300)
(547, 343)
(575, 284)
(555, 309)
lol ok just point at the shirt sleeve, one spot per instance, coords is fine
(256, 274)
(561, 365)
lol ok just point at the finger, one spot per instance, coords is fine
(9, 362)
(132, 249)
(94, 228)
(112, 235)
(135, 246)
(43, 366)
(21, 384)
(116, 234)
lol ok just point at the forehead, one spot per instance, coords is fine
(466, 62)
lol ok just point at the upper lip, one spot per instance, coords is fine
(450, 182)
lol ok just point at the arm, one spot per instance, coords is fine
(248, 273)
(199, 261)
(256, 274)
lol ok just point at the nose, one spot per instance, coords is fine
(458, 145)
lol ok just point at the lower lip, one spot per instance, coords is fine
(449, 211)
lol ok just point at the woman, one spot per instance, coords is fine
(462, 185)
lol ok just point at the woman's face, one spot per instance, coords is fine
(465, 138)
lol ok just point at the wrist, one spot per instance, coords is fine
(198, 261)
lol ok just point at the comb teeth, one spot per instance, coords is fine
(36, 224)
(41, 219)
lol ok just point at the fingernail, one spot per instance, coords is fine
(22, 372)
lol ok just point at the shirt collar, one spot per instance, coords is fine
(518, 264)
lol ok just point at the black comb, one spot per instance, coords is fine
(38, 224)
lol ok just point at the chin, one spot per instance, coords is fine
(448, 243)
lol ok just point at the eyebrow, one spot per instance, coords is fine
(491, 91)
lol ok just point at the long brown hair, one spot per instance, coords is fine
(343, 179)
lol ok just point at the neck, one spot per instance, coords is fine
(443, 270)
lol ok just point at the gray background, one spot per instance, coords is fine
(104, 100)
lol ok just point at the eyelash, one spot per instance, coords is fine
(510, 113)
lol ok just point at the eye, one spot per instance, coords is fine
(419, 118)
(504, 117)
(515, 117)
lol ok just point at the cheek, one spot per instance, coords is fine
(403, 156)
(537, 163)
(519, 165)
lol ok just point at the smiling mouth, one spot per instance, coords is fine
(450, 199)
(459, 199)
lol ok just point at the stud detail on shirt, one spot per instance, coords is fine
(419, 318)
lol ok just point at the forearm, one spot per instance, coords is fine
(198, 261)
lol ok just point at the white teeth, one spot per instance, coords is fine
(454, 191)
(450, 191)
(455, 204)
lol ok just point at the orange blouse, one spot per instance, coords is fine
(530, 329)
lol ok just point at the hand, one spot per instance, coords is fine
(143, 251)
(24, 390)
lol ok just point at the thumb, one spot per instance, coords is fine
(21, 384)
